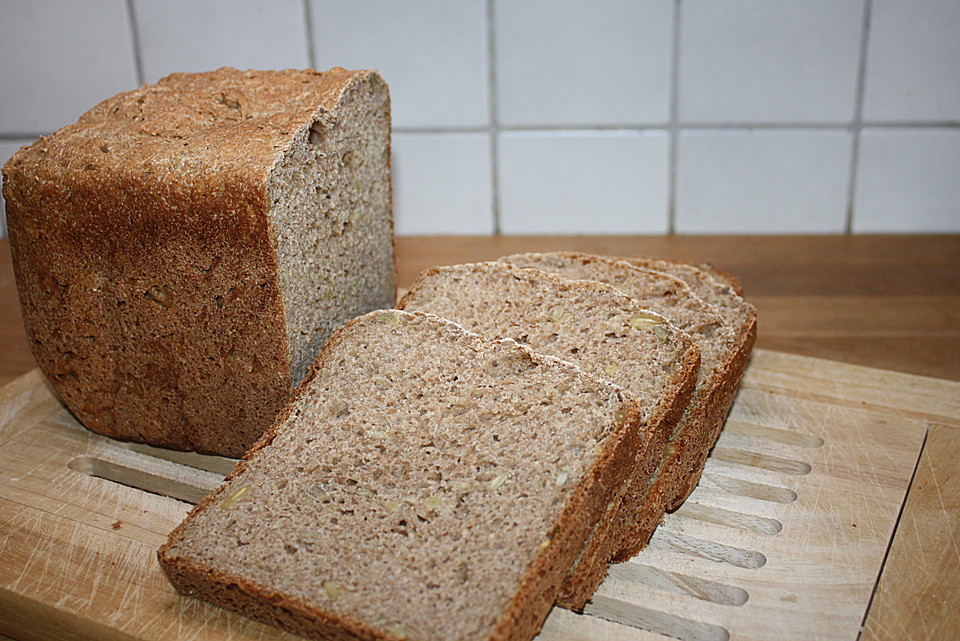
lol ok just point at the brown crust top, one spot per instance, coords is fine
(208, 126)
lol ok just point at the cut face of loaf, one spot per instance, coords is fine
(184, 249)
(721, 351)
(422, 483)
(600, 330)
(330, 219)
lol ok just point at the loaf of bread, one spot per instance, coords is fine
(183, 251)
(601, 330)
(723, 353)
(422, 483)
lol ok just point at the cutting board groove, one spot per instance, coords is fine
(784, 537)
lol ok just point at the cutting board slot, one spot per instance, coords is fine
(137, 479)
(762, 461)
(787, 437)
(747, 489)
(730, 518)
(709, 550)
(216, 464)
(660, 622)
(677, 583)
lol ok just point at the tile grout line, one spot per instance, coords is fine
(493, 124)
(308, 27)
(733, 127)
(856, 125)
(135, 41)
(673, 126)
(30, 136)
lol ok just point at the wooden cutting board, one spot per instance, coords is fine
(785, 537)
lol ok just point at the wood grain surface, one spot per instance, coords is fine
(890, 302)
(784, 538)
(919, 594)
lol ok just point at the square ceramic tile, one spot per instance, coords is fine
(583, 182)
(59, 59)
(432, 53)
(907, 181)
(583, 62)
(442, 184)
(756, 61)
(779, 182)
(912, 61)
(7, 149)
(201, 35)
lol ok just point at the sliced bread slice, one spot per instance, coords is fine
(711, 284)
(697, 275)
(721, 351)
(725, 292)
(599, 329)
(422, 483)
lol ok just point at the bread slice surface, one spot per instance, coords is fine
(183, 250)
(599, 329)
(423, 483)
(714, 286)
(722, 352)
(725, 292)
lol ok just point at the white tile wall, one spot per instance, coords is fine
(586, 116)
(908, 181)
(762, 182)
(913, 60)
(442, 184)
(58, 58)
(583, 63)
(583, 182)
(191, 35)
(432, 52)
(756, 61)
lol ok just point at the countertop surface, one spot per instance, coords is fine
(889, 302)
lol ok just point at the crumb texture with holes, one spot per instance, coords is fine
(601, 330)
(423, 483)
(724, 342)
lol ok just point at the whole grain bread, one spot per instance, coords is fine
(422, 483)
(722, 351)
(601, 330)
(183, 251)
(725, 292)
(700, 276)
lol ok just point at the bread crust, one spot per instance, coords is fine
(703, 418)
(144, 261)
(681, 269)
(728, 287)
(537, 590)
(718, 408)
(640, 511)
